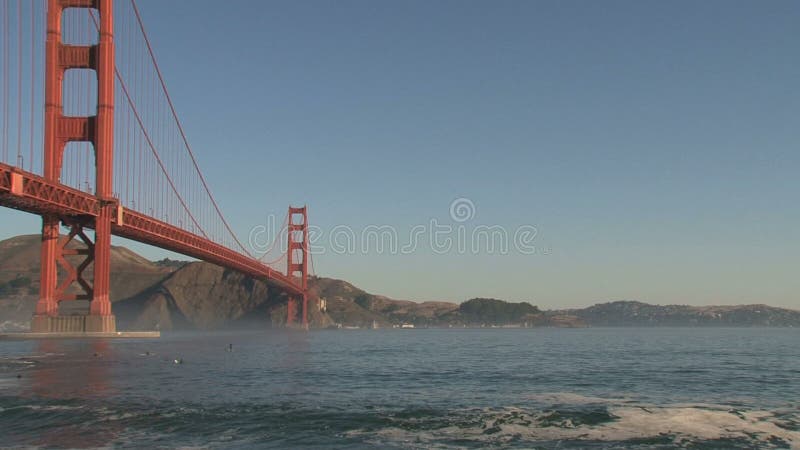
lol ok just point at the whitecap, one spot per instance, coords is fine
(681, 424)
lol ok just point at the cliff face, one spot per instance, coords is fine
(204, 296)
(199, 295)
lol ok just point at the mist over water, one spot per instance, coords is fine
(514, 388)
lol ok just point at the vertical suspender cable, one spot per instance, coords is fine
(6, 74)
(89, 111)
(127, 138)
(19, 84)
(42, 65)
(33, 81)
(180, 128)
(77, 87)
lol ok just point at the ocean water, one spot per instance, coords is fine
(478, 388)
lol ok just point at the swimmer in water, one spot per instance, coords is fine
(179, 361)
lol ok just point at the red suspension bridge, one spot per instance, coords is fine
(115, 159)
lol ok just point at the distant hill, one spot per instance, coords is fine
(172, 294)
(490, 311)
(634, 313)
(350, 306)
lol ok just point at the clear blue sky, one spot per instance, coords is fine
(654, 144)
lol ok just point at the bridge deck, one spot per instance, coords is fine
(26, 191)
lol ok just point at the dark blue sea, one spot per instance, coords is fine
(478, 388)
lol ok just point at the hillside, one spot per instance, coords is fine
(351, 306)
(494, 312)
(147, 295)
(196, 295)
(204, 296)
(633, 313)
(19, 277)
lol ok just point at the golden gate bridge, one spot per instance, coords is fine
(91, 141)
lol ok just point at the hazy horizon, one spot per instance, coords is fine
(651, 145)
(126, 243)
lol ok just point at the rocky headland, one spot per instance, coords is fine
(172, 295)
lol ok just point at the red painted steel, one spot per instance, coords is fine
(297, 259)
(59, 204)
(104, 160)
(65, 203)
(75, 274)
(59, 130)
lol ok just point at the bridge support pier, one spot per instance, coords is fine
(297, 264)
(291, 312)
(292, 306)
(58, 131)
(100, 318)
(61, 252)
(305, 311)
(48, 304)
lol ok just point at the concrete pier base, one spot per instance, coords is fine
(101, 324)
(73, 324)
(81, 335)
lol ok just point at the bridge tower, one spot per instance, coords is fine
(297, 264)
(58, 131)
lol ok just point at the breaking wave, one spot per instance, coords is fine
(594, 422)
(572, 422)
